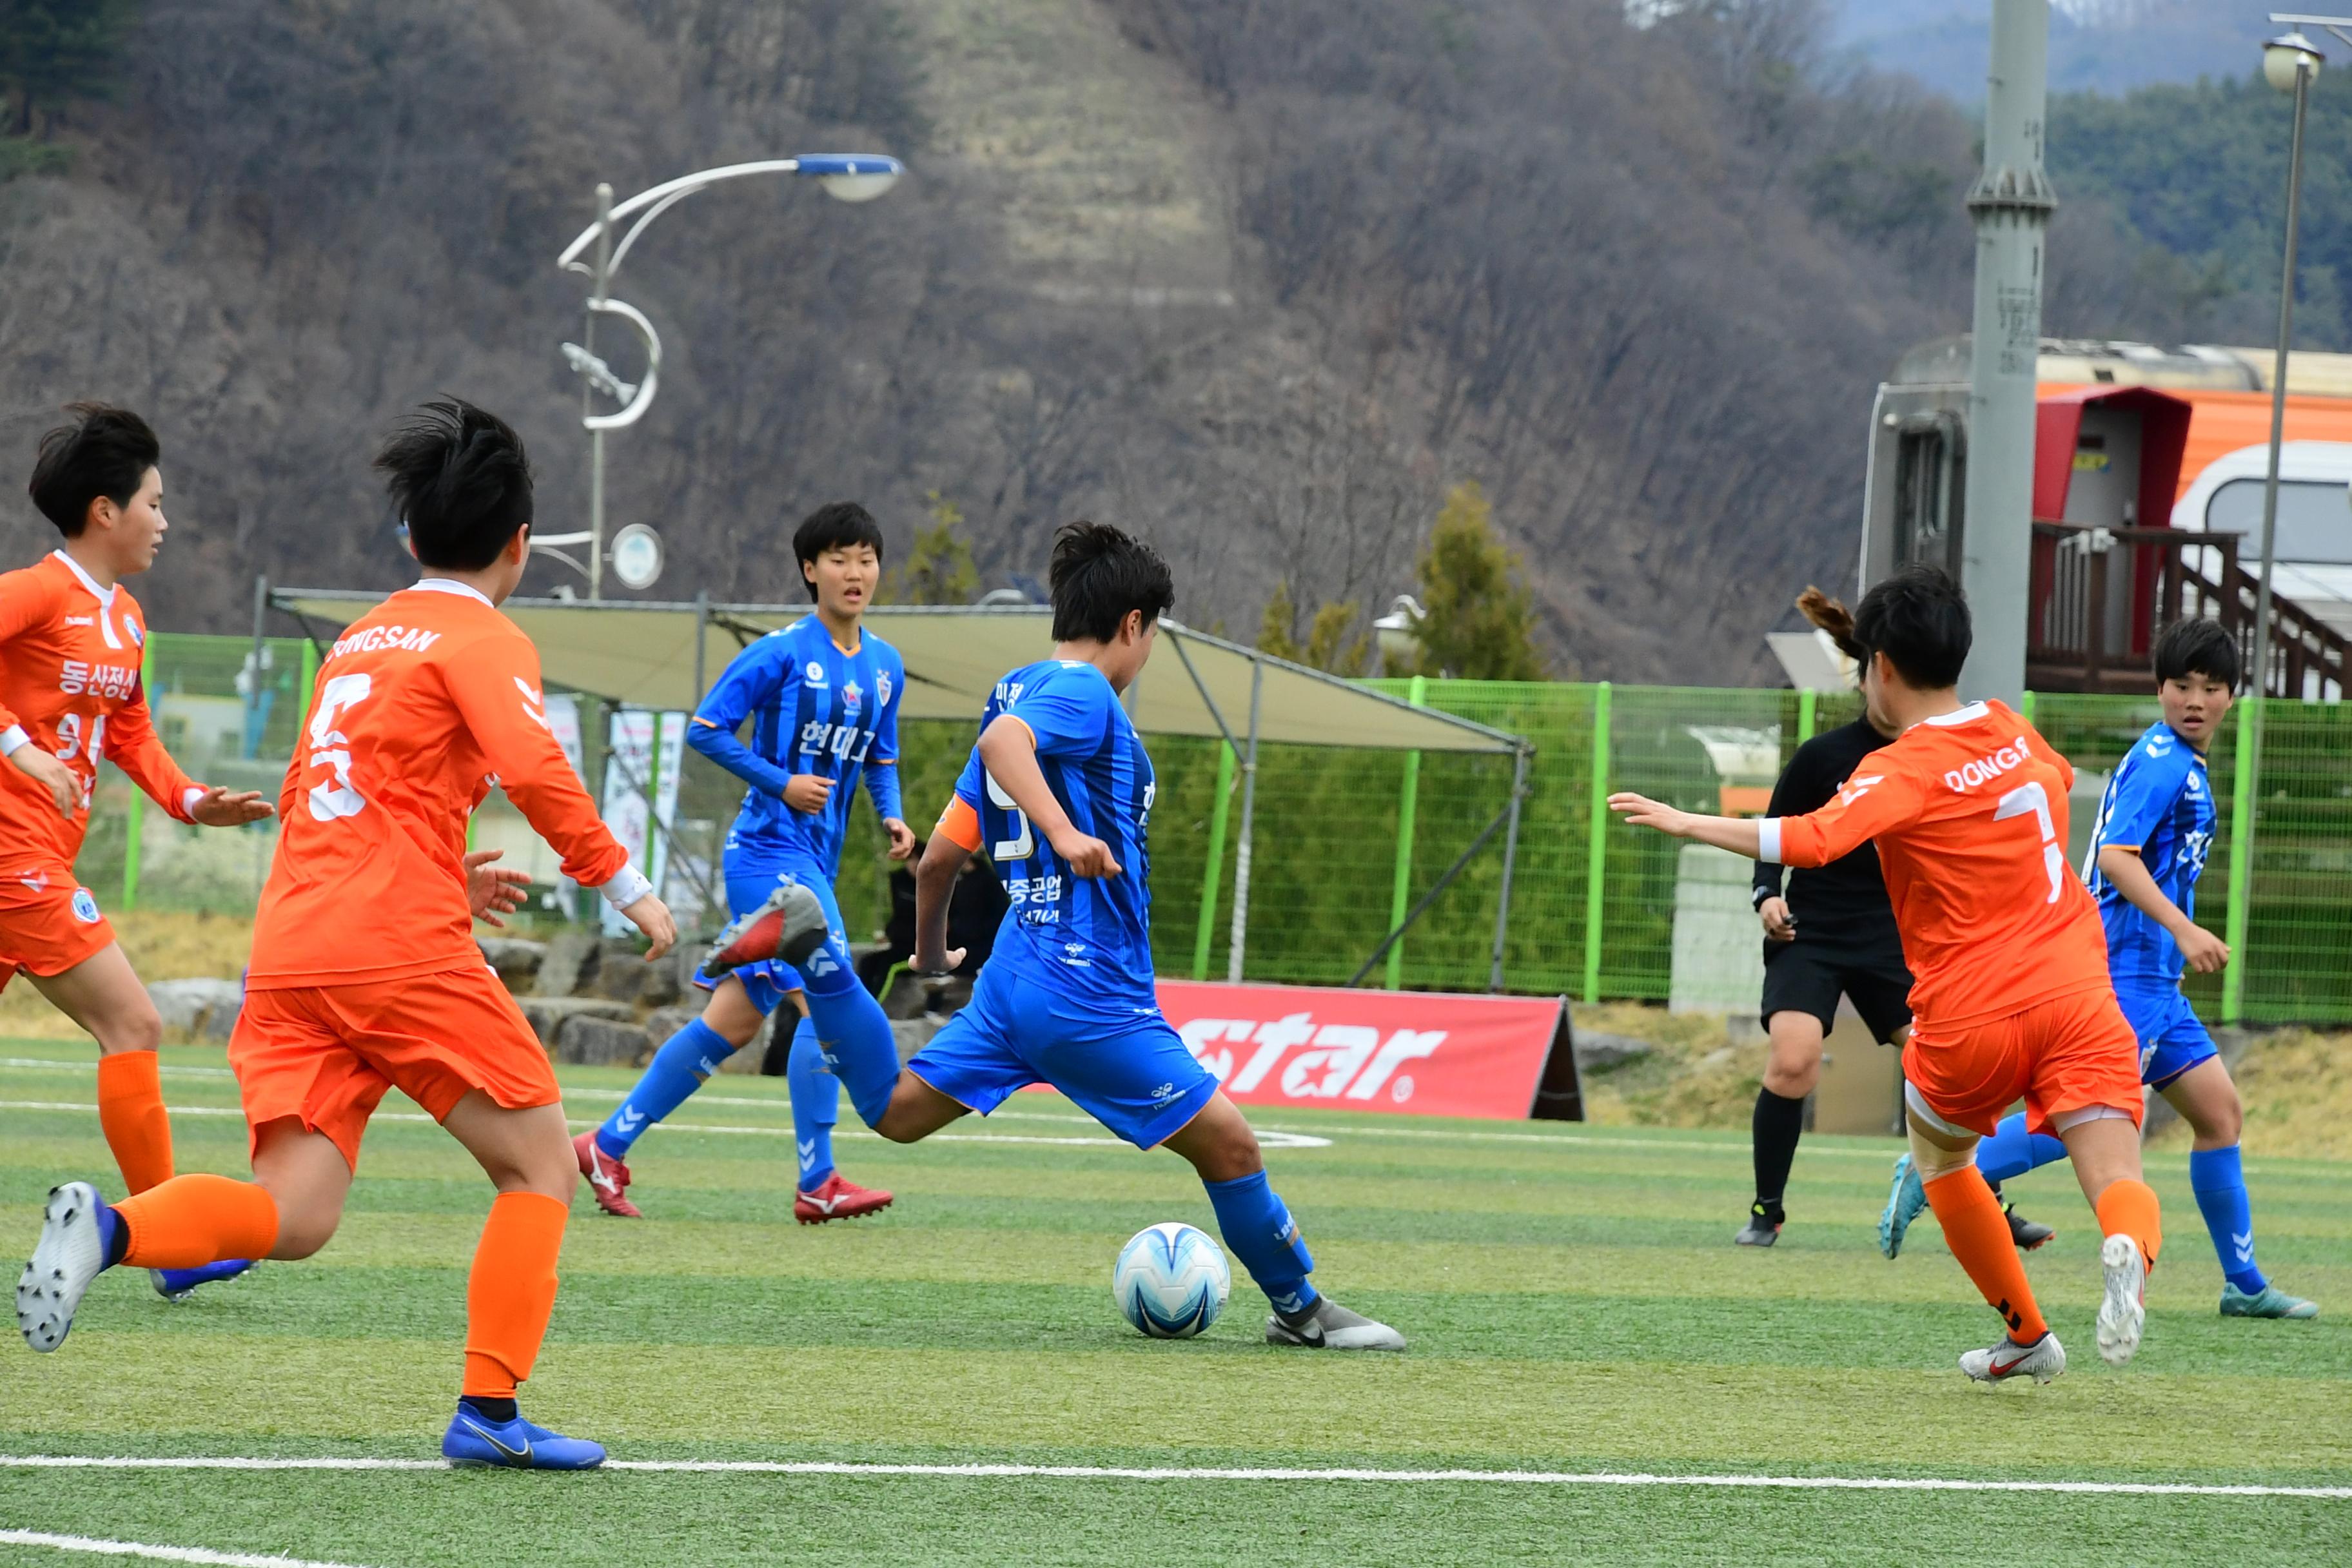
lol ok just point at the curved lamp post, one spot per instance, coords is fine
(846, 177)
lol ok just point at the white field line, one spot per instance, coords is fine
(1287, 1140)
(1189, 1473)
(93, 1545)
(59, 1064)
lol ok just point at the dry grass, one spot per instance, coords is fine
(2298, 1088)
(1694, 1076)
(161, 944)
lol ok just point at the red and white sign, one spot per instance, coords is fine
(1425, 1053)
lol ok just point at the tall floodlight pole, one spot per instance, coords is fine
(635, 552)
(2290, 64)
(2011, 205)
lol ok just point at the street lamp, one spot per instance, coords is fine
(2290, 63)
(845, 176)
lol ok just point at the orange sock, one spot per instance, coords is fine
(131, 1114)
(190, 1221)
(2129, 1208)
(512, 1291)
(1978, 1233)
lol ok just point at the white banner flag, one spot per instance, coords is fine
(627, 810)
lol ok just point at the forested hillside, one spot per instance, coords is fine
(1263, 281)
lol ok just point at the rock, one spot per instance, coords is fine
(664, 1022)
(517, 960)
(914, 1033)
(1720, 1056)
(570, 964)
(205, 1008)
(593, 1041)
(1598, 1052)
(549, 1014)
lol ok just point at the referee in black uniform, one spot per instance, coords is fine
(1830, 931)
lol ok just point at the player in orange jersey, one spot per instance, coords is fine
(365, 973)
(2011, 996)
(70, 642)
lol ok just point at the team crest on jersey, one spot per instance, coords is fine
(882, 688)
(815, 672)
(852, 698)
(138, 634)
(85, 907)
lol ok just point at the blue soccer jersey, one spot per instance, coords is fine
(2160, 803)
(1087, 938)
(814, 710)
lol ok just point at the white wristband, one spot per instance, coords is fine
(627, 888)
(15, 738)
(1768, 840)
(188, 799)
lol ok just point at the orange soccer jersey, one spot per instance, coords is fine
(421, 705)
(69, 653)
(1969, 810)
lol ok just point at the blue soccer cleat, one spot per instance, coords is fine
(475, 1441)
(1903, 1204)
(179, 1284)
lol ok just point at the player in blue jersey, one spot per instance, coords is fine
(1059, 791)
(2149, 844)
(821, 697)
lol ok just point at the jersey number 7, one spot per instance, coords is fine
(2033, 800)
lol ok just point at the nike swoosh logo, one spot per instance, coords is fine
(2002, 1369)
(522, 1454)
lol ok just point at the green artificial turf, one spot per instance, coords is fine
(1572, 1298)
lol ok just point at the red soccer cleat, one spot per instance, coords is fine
(607, 1178)
(791, 926)
(837, 1199)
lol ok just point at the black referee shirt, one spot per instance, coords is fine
(1844, 900)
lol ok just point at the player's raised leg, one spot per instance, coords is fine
(2208, 1101)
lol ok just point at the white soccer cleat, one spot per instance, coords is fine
(2042, 1359)
(2123, 1312)
(68, 1256)
(1331, 1327)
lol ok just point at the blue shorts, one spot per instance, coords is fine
(2172, 1039)
(751, 875)
(1135, 1079)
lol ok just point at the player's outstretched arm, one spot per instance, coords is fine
(2123, 868)
(1008, 750)
(1736, 834)
(134, 747)
(753, 679)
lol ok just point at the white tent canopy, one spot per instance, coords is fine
(661, 656)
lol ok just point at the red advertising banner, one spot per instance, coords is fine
(1427, 1054)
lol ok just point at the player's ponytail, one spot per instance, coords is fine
(1834, 618)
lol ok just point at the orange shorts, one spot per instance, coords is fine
(2066, 1054)
(47, 929)
(324, 1054)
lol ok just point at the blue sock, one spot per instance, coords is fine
(1262, 1234)
(852, 1030)
(2219, 1180)
(816, 1106)
(2011, 1151)
(677, 1070)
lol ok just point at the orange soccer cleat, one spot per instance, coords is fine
(608, 1178)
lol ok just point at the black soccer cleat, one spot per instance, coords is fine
(2027, 1234)
(1763, 1226)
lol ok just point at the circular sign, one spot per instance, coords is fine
(637, 556)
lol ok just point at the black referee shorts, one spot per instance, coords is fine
(1807, 977)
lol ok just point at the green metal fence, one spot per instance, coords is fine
(1346, 840)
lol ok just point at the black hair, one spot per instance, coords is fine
(1919, 620)
(1099, 575)
(460, 481)
(106, 452)
(2196, 647)
(835, 525)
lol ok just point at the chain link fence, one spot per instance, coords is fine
(1346, 841)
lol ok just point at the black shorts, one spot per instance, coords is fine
(1803, 976)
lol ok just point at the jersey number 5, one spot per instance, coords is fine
(2033, 800)
(1024, 842)
(330, 749)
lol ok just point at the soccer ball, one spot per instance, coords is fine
(1171, 1281)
